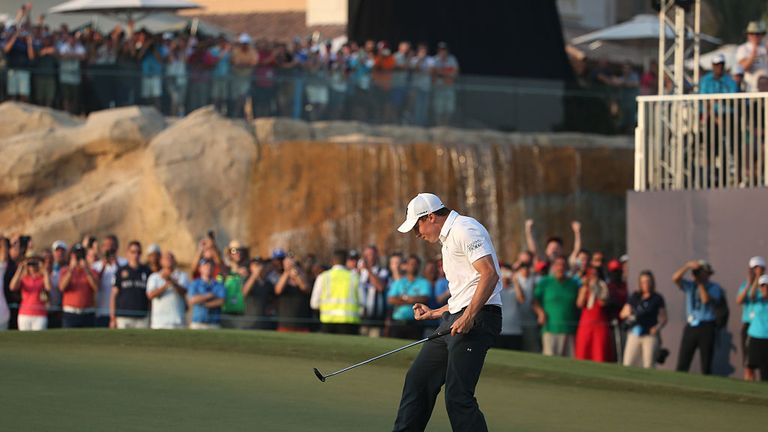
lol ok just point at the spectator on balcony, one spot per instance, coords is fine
(44, 80)
(399, 92)
(176, 78)
(555, 305)
(167, 289)
(361, 64)
(199, 64)
(317, 92)
(737, 73)
(129, 305)
(152, 55)
(753, 55)
(383, 70)
(264, 89)
(19, 53)
(222, 57)
(649, 80)
(701, 296)
(717, 81)
(34, 282)
(421, 66)
(71, 55)
(444, 73)
(244, 59)
(748, 295)
(402, 295)
(646, 315)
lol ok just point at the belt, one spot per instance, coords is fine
(78, 311)
(494, 309)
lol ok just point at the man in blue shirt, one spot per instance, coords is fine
(701, 296)
(403, 294)
(717, 81)
(206, 296)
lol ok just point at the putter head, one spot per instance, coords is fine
(319, 375)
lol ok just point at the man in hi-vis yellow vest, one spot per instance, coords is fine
(338, 297)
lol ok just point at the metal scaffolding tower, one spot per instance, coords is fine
(684, 18)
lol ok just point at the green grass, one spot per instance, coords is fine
(98, 380)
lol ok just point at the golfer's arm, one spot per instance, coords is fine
(488, 280)
(437, 313)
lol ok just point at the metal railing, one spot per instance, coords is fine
(712, 141)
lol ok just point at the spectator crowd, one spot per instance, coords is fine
(577, 305)
(83, 70)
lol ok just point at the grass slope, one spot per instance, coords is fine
(96, 380)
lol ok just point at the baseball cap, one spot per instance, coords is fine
(704, 265)
(153, 248)
(421, 205)
(353, 254)
(205, 261)
(167, 36)
(624, 258)
(757, 261)
(59, 244)
(244, 38)
(763, 280)
(278, 254)
(737, 69)
(614, 265)
(718, 59)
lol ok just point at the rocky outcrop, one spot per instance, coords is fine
(297, 185)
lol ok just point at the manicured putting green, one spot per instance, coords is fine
(99, 380)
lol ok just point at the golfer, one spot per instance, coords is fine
(472, 270)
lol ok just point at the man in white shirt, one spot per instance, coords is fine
(167, 289)
(473, 318)
(752, 55)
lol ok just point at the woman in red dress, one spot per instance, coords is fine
(593, 336)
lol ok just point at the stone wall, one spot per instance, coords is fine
(307, 187)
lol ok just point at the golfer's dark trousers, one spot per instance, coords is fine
(702, 337)
(455, 361)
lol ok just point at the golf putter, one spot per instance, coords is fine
(435, 335)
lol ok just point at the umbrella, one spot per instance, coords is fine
(641, 27)
(127, 9)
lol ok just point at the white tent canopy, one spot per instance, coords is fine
(641, 27)
(129, 9)
(705, 60)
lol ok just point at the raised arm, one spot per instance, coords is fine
(576, 227)
(677, 277)
(529, 240)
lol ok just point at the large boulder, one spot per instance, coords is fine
(117, 131)
(18, 118)
(198, 173)
(276, 129)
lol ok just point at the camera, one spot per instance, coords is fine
(24, 241)
(661, 355)
(79, 251)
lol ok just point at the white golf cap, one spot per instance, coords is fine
(153, 248)
(59, 244)
(422, 205)
(718, 59)
(763, 280)
(757, 261)
(244, 38)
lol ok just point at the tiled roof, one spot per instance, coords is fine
(273, 25)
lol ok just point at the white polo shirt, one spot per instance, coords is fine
(465, 241)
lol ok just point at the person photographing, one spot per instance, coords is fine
(473, 320)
